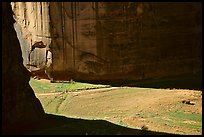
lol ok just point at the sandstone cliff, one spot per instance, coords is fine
(114, 40)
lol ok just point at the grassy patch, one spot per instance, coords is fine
(46, 86)
(181, 119)
(186, 116)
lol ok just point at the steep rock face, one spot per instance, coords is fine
(21, 110)
(32, 27)
(120, 41)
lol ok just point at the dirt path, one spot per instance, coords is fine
(79, 91)
(47, 94)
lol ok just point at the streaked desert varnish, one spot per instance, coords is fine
(121, 41)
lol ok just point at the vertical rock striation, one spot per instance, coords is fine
(33, 22)
(114, 40)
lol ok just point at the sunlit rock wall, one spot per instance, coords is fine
(114, 40)
(32, 26)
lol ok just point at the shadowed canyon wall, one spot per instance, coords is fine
(114, 40)
(21, 110)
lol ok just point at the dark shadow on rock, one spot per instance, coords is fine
(192, 82)
(61, 125)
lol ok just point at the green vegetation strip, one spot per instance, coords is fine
(46, 86)
(187, 116)
(178, 118)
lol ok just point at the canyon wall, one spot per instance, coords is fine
(21, 110)
(114, 40)
(32, 26)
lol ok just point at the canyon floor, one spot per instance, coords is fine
(175, 111)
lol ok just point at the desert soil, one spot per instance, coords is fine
(160, 110)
